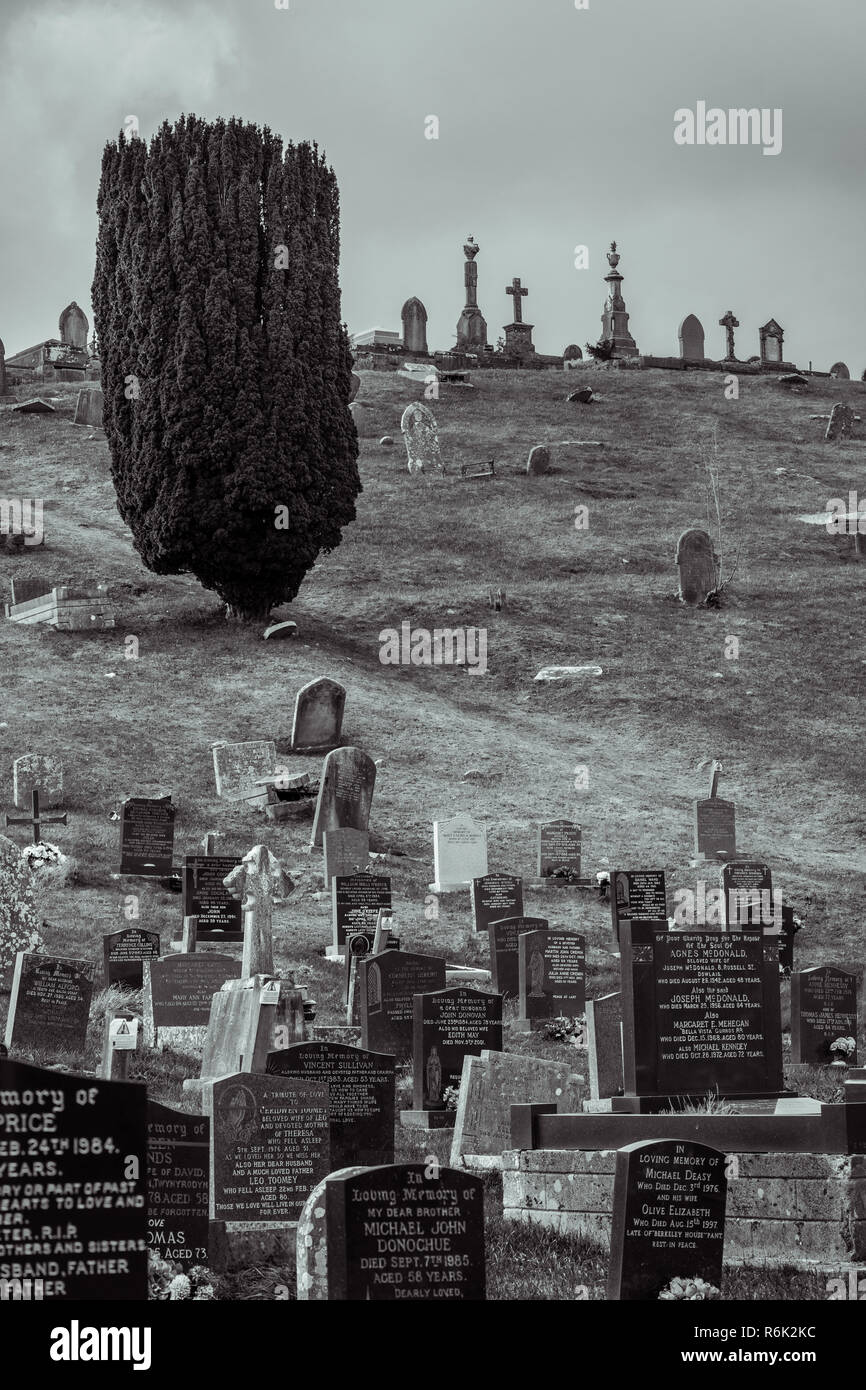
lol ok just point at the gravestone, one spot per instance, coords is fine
(147, 836)
(668, 1217)
(604, 1045)
(459, 853)
(490, 1085)
(823, 1008)
(178, 1182)
(701, 1013)
(449, 1024)
(270, 1145)
(388, 984)
(355, 904)
(238, 768)
(421, 438)
(573, 353)
(559, 844)
(40, 772)
(551, 976)
(345, 793)
(414, 317)
(258, 881)
(637, 895)
(177, 994)
(20, 917)
(73, 327)
(249, 1018)
(691, 338)
(840, 371)
(715, 829)
(347, 1248)
(346, 852)
(50, 1003)
(89, 407)
(841, 422)
(318, 718)
(91, 1250)
(124, 953)
(495, 896)
(219, 915)
(747, 896)
(786, 940)
(696, 562)
(538, 462)
(361, 1096)
(504, 937)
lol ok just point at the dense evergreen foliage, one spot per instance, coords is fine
(226, 368)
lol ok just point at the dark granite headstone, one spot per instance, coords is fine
(441, 1255)
(715, 829)
(668, 1217)
(361, 1096)
(495, 896)
(637, 895)
(559, 845)
(219, 916)
(50, 1003)
(450, 1024)
(345, 852)
(823, 1008)
(747, 895)
(604, 1045)
(355, 904)
(178, 1179)
(123, 954)
(786, 940)
(345, 792)
(318, 717)
(178, 990)
(388, 985)
(551, 975)
(86, 1132)
(146, 836)
(270, 1145)
(504, 953)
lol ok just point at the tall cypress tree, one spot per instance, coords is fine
(226, 368)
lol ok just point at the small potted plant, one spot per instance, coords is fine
(842, 1049)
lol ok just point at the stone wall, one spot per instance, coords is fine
(782, 1208)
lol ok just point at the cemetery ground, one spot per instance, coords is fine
(781, 716)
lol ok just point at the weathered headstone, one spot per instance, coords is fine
(239, 768)
(178, 991)
(345, 852)
(388, 984)
(50, 1003)
(691, 336)
(495, 896)
(823, 1008)
(178, 1182)
(747, 896)
(257, 882)
(41, 771)
(219, 916)
(73, 326)
(573, 353)
(318, 718)
(459, 853)
(840, 371)
(490, 1085)
(421, 438)
(539, 460)
(449, 1024)
(249, 1019)
(361, 1096)
(124, 953)
(414, 317)
(715, 829)
(701, 1013)
(559, 845)
(637, 895)
(697, 566)
(551, 976)
(270, 1145)
(841, 422)
(604, 1045)
(504, 937)
(147, 836)
(668, 1217)
(90, 1250)
(89, 407)
(345, 793)
(355, 904)
(348, 1250)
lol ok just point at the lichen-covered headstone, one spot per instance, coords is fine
(697, 566)
(40, 772)
(20, 921)
(422, 439)
(841, 422)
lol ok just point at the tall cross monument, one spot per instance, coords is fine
(518, 335)
(729, 323)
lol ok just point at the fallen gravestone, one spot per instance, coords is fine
(583, 395)
(823, 1010)
(318, 718)
(495, 896)
(459, 853)
(178, 1184)
(50, 1004)
(388, 984)
(504, 937)
(449, 1024)
(239, 768)
(348, 1250)
(421, 437)
(551, 977)
(37, 772)
(345, 793)
(124, 953)
(147, 836)
(361, 1096)
(637, 895)
(697, 566)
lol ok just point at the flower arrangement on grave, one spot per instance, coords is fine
(689, 1289)
(451, 1095)
(842, 1049)
(566, 1030)
(166, 1282)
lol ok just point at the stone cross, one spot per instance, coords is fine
(515, 290)
(729, 323)
(258, 880)
(35, 820)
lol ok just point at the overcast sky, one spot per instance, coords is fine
(555, 129)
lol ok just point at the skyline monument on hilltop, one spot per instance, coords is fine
(471, 325)
(614, 320)
(518, 335)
